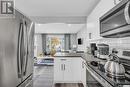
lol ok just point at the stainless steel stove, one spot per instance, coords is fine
(106, 81)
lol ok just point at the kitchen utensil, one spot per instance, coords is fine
(101, 67)
(114, 68)
(94, 63)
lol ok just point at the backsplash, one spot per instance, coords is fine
(119, 43)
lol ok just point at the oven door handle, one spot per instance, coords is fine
(126, 12)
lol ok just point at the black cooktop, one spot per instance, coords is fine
(114, 82)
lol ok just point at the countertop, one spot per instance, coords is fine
(87, 57)
(68, 55)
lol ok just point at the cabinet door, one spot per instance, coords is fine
(76, 69)
(58, 70)
(83, 73)
(68, 70)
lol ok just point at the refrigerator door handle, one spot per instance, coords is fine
(25, 49)
(19, 50)
(30, 29)
(27, 36)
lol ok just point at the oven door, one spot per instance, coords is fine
(91, 79)
(116, 21)
(95, 80)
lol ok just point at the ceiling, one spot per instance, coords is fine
(56, 11)
(58, 28)
(53, 16)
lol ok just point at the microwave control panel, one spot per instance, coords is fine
(126, 53)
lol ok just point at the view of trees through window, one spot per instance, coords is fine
(55, 43)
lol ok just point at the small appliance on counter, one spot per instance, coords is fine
(103, 51)
(93, 48)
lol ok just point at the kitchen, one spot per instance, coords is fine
(68, 50)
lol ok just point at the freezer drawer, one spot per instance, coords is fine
(28, 82)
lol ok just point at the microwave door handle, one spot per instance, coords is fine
(19, 51)
(126, 12)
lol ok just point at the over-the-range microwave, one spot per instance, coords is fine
(116, 22)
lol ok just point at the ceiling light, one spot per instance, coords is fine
(39, 24)
(69, 25)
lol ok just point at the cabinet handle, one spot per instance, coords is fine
(82, 64)
(64, 66)
(61, 66)
(63, 59)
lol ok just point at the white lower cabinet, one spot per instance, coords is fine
(69, 70)
(58, 70)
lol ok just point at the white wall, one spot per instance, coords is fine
(82, 34)
(35, 46)
(55, 35)
(57, 28)
(73, 40)
(38, 45)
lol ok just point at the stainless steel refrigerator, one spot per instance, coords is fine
(16, 51)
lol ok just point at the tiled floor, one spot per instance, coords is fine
(43, 77)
